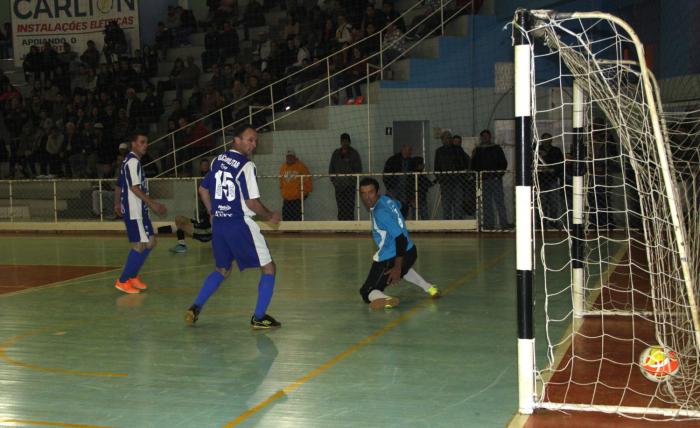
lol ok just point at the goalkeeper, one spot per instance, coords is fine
(396, 254)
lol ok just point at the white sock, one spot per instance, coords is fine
(376, 294)
(181, 241)
(414, 278)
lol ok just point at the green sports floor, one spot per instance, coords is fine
(79, 353)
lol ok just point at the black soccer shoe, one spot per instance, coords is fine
(192, 314)
(265, 323)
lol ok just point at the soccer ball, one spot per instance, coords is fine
(658, 363)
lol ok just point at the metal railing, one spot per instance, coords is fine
(456, 195)
(323, 88)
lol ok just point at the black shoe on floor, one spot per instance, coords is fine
(264, 323)
(192, 314)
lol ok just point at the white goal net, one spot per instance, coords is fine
(615, 188)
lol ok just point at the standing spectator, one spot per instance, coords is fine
(75, 150)
(151, 107)
(53, 157)
(489, 159)
(49, 61)
(134, 108)
(466, 196)
(291, 186)
(345, 160)
(228, 41)
(390, 14)
(91, 56)
(6, 41)
(210, 56)
(163, 40)
(115, 42)
(605, 166)
(400, 186)
(104, 147)
(149, 62)
(446, 162)
(550, 171)
(343, 33)
(32, 64)
(68, 60)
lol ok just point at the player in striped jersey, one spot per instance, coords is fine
(133, 202)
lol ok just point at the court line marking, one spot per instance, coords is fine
(50, 424)
(474, 272)
(9, 342)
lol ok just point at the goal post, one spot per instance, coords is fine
(619, 266)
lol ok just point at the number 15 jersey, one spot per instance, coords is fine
(230, 182)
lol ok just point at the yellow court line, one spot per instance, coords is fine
(49, 424)
(362, 343)
(9, 342)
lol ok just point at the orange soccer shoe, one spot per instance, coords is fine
(137, 283)
(126, 287)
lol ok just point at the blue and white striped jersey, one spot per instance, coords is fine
(231, 181)
(131, 174)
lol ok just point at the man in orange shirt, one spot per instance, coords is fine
(291, 186)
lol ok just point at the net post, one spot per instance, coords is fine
(55, 203)
(172, 137)
(415, 181)
(99, 184)
(12, 204)
(357, 196)
(301, 178)
(523, 213)
(579, 170)
(196, 200)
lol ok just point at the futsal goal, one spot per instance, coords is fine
(609, 229)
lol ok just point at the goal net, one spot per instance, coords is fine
(615, 213)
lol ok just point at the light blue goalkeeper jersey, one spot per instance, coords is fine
(387, 225)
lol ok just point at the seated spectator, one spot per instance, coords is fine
(152, 107)
(175, 73)
(291, 29)
(394, 42)
(217, 81)
(262, 51)
(188, 77)
(177, 111)
(91, 56)
(194, 140)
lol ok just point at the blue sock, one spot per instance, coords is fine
(141, 261)
(211, 284)
(133, 263)
(265, 289)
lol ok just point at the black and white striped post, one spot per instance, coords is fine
(523, 212)
(577, 181)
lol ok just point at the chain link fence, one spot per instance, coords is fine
(465, 195)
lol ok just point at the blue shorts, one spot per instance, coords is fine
(239, 240)
(139, 230)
